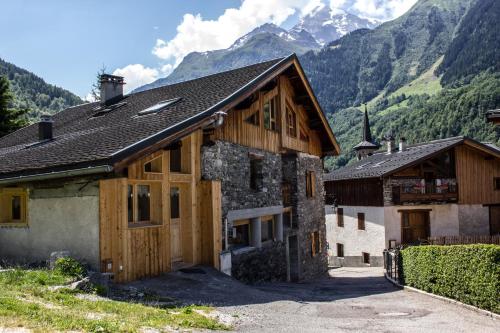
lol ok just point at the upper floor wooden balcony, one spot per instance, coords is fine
(437, 190)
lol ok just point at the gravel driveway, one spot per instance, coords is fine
(349, 300)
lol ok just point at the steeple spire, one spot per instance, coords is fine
(366, 147)
(367, 134)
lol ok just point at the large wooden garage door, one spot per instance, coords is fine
(414, 226)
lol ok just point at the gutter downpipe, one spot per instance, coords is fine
(58, 174)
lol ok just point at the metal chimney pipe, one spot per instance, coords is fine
(402, 144)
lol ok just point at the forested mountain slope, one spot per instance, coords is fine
(432, 73)
(33, 93)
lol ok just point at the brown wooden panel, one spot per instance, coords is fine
(355, 192)
(209, 197)
(475, 176)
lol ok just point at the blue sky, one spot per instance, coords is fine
(66, 42)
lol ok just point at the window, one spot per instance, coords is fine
(159, 106)
(153, 166)
(174, 203)
(366, 258)
(310, 184)
(13, 206)
(291, 122)
(340, 217)
(256, 173)
(241, 234)
(130, 203)
(176, 158)
(267, 229)
(254, 119)
(270, 112)
(496, 183)
(315, 243)
(140, 204)
(340, 250)
(361, 221)
(143, 203)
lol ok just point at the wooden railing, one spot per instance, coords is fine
(457, 240)
(430, 193)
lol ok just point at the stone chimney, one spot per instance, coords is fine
(402, 144)
(111, 88)
(391, 142)
(45, 127)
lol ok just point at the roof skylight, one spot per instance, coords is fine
(363, 165)
(159, 106)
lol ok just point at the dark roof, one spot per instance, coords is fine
(382, 164)
(83, 140)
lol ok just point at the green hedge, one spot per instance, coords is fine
(467, 273)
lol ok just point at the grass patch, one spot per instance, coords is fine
(27, 301)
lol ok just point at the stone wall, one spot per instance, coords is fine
(258, 265)
(61, 216)
(230, 163)
(310, 213)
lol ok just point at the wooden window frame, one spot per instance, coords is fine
(158, 158)
(361, 221)
(7, 195)
(496, 183)
(291, 121)
(340, 217)
(310, 184)
(170, 159)
(272, 123)
(135, 208)
(315, 243)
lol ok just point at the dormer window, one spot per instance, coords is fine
(159, 106)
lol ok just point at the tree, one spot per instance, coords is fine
(95, 93)
(10, 118)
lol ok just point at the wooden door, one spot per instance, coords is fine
(175, 224)
(494, 220)
(414, 226)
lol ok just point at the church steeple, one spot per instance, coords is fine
(367, 133)
(366, 147)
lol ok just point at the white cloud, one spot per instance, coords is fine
(380, 9)
(136, 75)
(197, 34)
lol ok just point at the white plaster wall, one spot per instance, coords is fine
(55, 224)
(474, 220)
(444, 220)
(370, 240)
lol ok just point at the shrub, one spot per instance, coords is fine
(467, 273)
(70, 267)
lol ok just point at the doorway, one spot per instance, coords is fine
(415, 226)
(293, 258)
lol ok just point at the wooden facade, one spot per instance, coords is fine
(355, 192)
(239, 129)
(132, 250)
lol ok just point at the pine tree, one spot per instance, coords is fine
(95, 93)
(10, 119)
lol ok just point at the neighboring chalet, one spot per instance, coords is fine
(445, 187)
(224, 170)
(493, 116)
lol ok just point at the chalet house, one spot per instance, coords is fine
(224, 170)
(404, 195)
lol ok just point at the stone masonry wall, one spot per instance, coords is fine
(309, 212)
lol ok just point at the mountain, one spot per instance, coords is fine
(429, 74)
(327, 24)
(33, 93)
(266, 42)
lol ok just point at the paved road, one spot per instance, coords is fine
(349, 300)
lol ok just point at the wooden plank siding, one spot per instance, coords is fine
(475, 176)
(210, 212)
(138, 250)
(355, 192)
(235, 129)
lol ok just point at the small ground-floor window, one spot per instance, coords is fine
(340, 250)
(13, 206)
(366, 258)
(144, 203)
